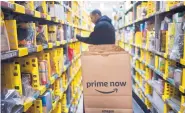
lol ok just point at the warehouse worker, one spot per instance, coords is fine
(104, 32)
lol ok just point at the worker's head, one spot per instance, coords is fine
(95, 15)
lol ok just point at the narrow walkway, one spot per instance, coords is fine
(136, 107)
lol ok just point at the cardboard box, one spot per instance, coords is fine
(107, 83)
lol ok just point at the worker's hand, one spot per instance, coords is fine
(78, 37)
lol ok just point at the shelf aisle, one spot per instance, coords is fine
(153, 34)
(40, 55)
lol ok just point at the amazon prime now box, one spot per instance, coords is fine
(107, 83)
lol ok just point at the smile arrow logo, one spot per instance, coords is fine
(114, 90)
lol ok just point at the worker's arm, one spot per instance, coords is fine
(94, 36)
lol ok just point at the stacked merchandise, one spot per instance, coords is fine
(157, 49)
(41, 67)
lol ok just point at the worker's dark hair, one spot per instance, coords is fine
(96, 11)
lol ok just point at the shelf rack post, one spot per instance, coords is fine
(182, 87)
(182, 107)
(58, 108)
(183, 59)
(169, 91)
(156, 62)
(166, 69)
(11, 76)
(30, 65)
(38, 106)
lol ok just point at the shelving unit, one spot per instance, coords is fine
(46, 75)
(147, 40)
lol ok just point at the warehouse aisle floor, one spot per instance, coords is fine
(136, 107)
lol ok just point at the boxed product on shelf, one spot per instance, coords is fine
(43, 72)
(141, 10)
(27, 89)
(60, 33)
(151, 38)
(40, 6)
(68, 32)
(26, 34)
(175, 73)
(47, 102)
(57, 10)
(177, 45)
(161, 64)
(41, 34)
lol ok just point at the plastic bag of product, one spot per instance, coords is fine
(177, 77)
(28, 91)
(177, 47)
(11, 101)
(4, 38)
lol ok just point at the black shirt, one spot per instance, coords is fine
(104, 33)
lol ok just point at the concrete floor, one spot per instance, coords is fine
(136, 107)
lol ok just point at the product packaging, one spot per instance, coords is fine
(11, 101)
(28, 91)
(43, 72)
(38, 6)
(40, 35)
(26, 34)
(177, 77)
(161, 64)
(104, 91)
(171, 36)
(4, 38)
(60, 34)
(178, 42)
(47, 102)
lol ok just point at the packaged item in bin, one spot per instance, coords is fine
(38, 6)
(11, 101)
(70, 53)
(177, 46)
(43, 72)
(177, 77)
(40, 36)
(163, 41)
(161, 64)
(47, 102)
(28, 91)
(52, 63)
(4, 38)
(26, 34)
(171, 72)
(52, 37)
(60, 34)
(171, 36)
